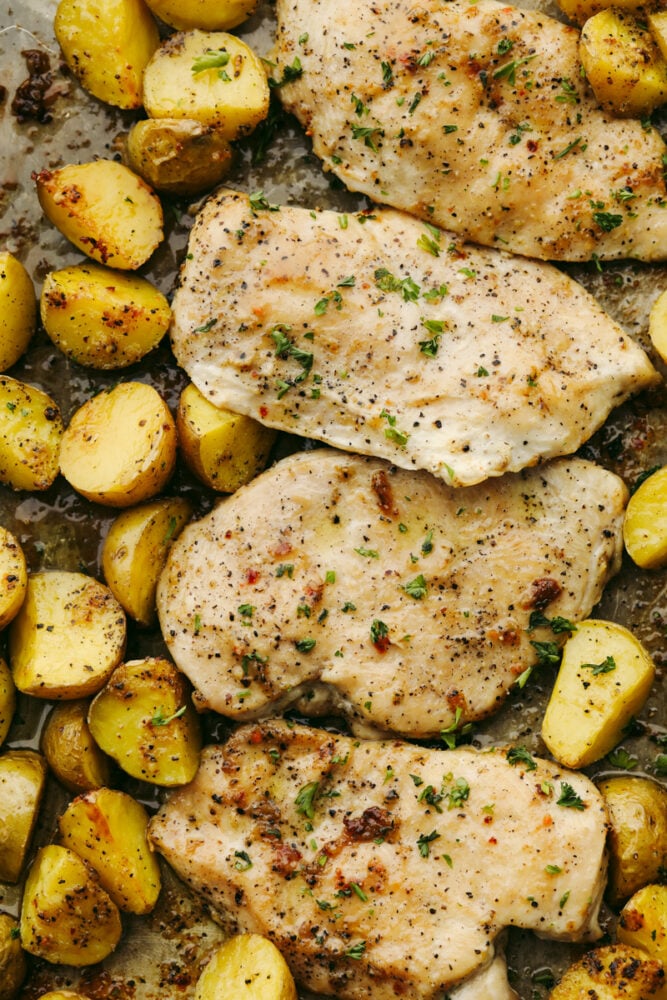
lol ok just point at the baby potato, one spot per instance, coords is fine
(22, 777)
(211, 77)
(66, 916)
(224, 449)
(18, 310)
(645, 522)
(68, 636)
(638, 837)
(13, 577)
(107, 44)
(144, 719)
(623, 64)
(30, 432)
(604, 679)
(611, 972)
(657, 323)
(107, 828)
(7, 700)
(104, 209)
(71, 752)
(657, 25)
(210, 15)
(135, 551)
(246, 966)
(643, 923)
(12, 958)
(177, 155)
(120, 446)
(102, 318)
(63, 995)
(580, 10)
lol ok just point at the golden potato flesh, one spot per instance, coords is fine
(120, 446)
(247, 966)
(177, 155)
(613, 972)
(638, 837)
(209, 15)
(657, 25)
(107, 828)
(12, 958)
(7, 700)
(623, 64)
(144, 719)
(657, 324)
(604, 679)
(68, 636)
(224, 449)
(643, 923)
(135, 551)
(31, 429)
(107, 44)
(580, 10)
(71, 752)
(66, 916)
(13, 577)
(645, 522)
(104, 209)
(211, 77)
(18, 310)
(22, 777)
(102, 318)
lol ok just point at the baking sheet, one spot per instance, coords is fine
(160, 955)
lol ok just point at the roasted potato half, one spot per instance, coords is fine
(211, 77)
(579, 11)
(144, 719)
(22, 777)
(70, 750)
(613, 972)
(107, 828)
(623, 64)
(120, 446)
(604, 679)
(18, 310)
(66, 916)
(247, 966)
(31, 429)
(104, 209)
(7, 700)
(12, 958)
(135, 551)
(224, 449)
(107, 44)
(13, 577)
(68, 636)
(638, 837)
(645, 522)
(209, 15)
(643, 923)
(102, 318)
(177, 155)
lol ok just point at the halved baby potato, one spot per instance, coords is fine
(70, 750)
(22, 779)
(104, 209)
(31, 429)
(13, 965)
(18, 310)
(657, 25)
(13, 577)
(66, 916)
(643, 923)
(68, 636)
(580, 10)
(209, 15)
(224, 449)
(657, 323)
(107, 828)
(144, 719)
(107, 44)
(102, 318)
(120, 446)
(177, 155)
(211, 77)
(611, 972)
(246, 966)
(7, 700)
(604, 679)
(135, 551)
(638, 836)
(645, 522)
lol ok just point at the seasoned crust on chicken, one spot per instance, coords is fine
(409, 601)
(382, 869)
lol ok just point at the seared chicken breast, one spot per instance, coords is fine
(410, 605)
(383, 336)
(475, 117)
(382, 869)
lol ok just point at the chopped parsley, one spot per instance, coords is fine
(416, 588)
(379, 631)
(369, 553)
(607, 220)
(424, 842)
(368, 133)
(243, 862)
(290, 73)
(356, 950)
(450, 735)
(211, 59)
(606, 667)
(258, 201)
(160, 719)
(285, 569)
(305, 800)
(305, 645)
(568, 797)
(520, 755)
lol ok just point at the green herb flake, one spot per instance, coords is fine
(424, 842)
(246, 610)
(305, 799)
(607, 220)
(416, 588)
(305, 645)
(243, 862)
(569, 798)
(520, 755)
(211, 59)
(160, 719)
(606, 667)
(356, 951)
(285, 569)
(369, 133)
(367, 553)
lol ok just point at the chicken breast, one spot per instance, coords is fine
(383, 336)
(406, 602)
(382, 869)
(476, 117)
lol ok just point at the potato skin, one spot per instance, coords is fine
(107, 44)
(246, 965)
(104, 209)
(613, 972)
(177, 155)
(7, 700)
(12, 958)
(70, 750)
(22, 777)
(18, 310)
(638, 836)
(645, 522)
(13, 578)
(102, 318)
(209, 15)
(31, 429)
(643, 922)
